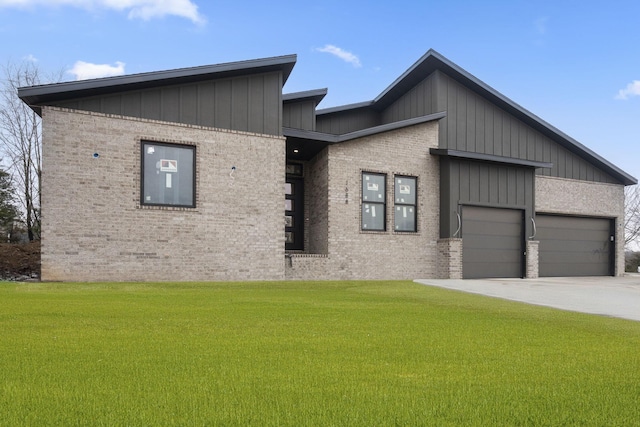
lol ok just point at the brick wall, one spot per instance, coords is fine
(94, 228)
(352, 253)
(449, 258)
(571, 197)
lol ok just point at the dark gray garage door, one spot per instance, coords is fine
(491, 242)
(573, 246)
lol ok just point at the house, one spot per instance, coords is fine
(212, 173)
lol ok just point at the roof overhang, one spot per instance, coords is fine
(40, 95)
(433, 61)
(305, 144)
(469, 155)
(316, 96)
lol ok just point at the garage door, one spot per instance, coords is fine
(572, 246)
(491, 242)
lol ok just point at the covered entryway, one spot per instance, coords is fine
(575, 246)
(492, 242)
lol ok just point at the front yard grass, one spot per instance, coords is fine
(306, 354)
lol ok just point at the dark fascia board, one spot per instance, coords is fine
(43, 94)
(470, 155)
(331, 110)
(314, 95)
(433, 60)
(333, 139)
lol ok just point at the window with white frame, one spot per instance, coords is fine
(405, 212)
(373, 201)
(168, 174)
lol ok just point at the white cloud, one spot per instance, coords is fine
(143, 9)
(30, 58)
(632, 89)
(86, 70)
(342, 54)
(540, 25)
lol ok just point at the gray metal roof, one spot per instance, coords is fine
(43, 94)
(433, 61)
(308, 143)
(316, 95)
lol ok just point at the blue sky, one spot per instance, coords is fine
(575, 64)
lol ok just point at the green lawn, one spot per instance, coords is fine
(306, 354)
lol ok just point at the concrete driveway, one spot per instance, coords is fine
(607, 296)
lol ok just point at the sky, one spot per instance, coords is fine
(575, 64)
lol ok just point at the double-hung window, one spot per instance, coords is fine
(404, 214)
(168, 174)
(373, 201)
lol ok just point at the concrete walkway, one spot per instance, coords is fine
(607, 296)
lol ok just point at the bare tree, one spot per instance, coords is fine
(631, 215)
(21, 141)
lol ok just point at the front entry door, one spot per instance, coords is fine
(294, 214)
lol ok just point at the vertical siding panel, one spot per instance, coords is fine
(206, 101)
(512, 186)
(480, 126)
(131, 104)
(464, 181)
(488, 130)
(494, 185)
(461, 121)
(522, 141)
(503, 191)
(273, 104)
(240, 104)
(590, 173)
(568, 165)
(189, 104)
(506, 135)
(497, 133)
(471, 124)
(452, 112)
(484, 185)
(474, 182)
(256, 104)
(170, 110)
(151, 101)
(222, 104)
(91, 104)
(112, 104)
(561, 166)
(521, 183)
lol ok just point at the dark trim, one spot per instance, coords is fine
(332, 139)
(470, 155)
(194, 178)
(383, 203)
(44, 94)
(345, 108)
(414, 205)
(314, 95)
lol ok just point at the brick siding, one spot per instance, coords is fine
(94, 228)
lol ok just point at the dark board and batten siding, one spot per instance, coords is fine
(347, 121)
(483, 184)
(299, 115)
(249, 103)
(419, 101)
(474, 124)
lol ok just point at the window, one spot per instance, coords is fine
(373, 201)
(168, 175)
(404, 217)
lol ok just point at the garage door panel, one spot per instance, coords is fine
(574, 246)
(492, 242)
